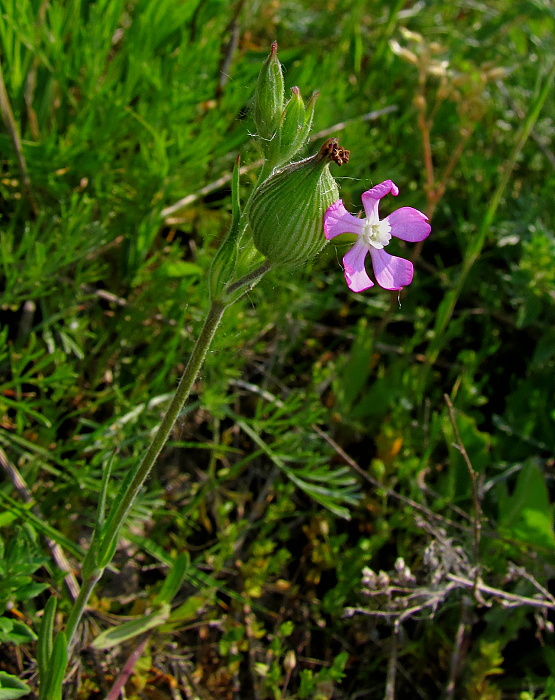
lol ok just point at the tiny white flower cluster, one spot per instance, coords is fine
(446, 570)
(374, 582)
(380, 582)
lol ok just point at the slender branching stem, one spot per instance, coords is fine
(100, 556)
(249, 280)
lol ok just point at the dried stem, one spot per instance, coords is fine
(57, 552)
(457, 653)
(9, 121)
(392, 665)
(507, 600)
(476, 499)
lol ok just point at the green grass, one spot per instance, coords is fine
(318, 440)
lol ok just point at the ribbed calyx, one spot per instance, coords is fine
(286, 213)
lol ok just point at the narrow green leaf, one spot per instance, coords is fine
(90, 563)
(45, 640)
(58, 664)
(116, 635)
(173, 581)
(189, 610)
(11, 687)
(26, 409)
(101, 510)
(107, 546)
(44, 528)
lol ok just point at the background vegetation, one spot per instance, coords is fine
(331, 433)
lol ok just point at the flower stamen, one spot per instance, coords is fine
(376, 234)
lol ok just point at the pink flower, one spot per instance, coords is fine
(405, 223)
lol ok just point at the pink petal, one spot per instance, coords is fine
(338, 220)
(371, 198)
(391, 272)
(409, 224)
(355, 273)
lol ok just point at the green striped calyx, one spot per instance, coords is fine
(287, 212)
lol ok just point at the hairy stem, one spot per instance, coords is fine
(125, 501)
(87, 587)
(99, 556)
(138, 476)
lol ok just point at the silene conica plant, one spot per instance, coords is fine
(292, 210)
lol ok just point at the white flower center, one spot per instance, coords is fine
(376, 234)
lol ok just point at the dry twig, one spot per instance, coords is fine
(9, 121)
(476, 498)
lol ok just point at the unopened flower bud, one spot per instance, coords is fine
(269, 96)
(294, 128)
(293, 116)
(369, 578)
(286, 214)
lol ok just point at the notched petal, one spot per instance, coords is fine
(391, 272)
(337, 220)
(371, 198)
(381, 190)
(409, 224)
(355, 272)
